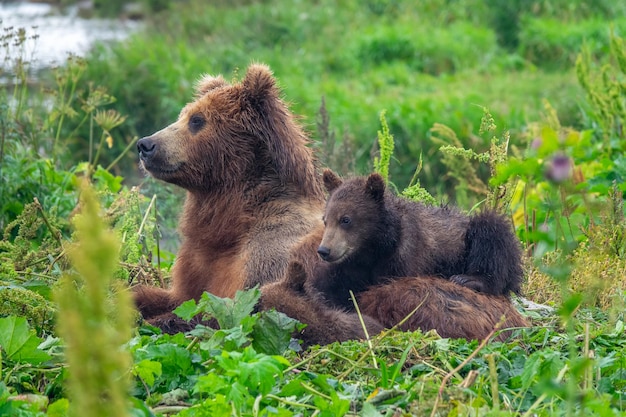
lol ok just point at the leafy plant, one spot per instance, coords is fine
(604, 89)
(461, 166)
(382, 163)
(18, 343)
(549, 43)
(94, 318)
(268, 331)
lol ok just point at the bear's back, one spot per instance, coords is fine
(432, 238)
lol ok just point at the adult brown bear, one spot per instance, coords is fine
(252, 190)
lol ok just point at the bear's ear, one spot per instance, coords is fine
(375, 186)
(331, 180)
(259, 84)
(296, 277)
(208, 83)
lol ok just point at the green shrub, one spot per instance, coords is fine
(427, 49)
(607, 99)
(454, 48)
(551, 43)
(505, 21)
(387, 45)
(574, 10)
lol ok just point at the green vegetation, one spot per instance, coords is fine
(518, 105)
(436, 63)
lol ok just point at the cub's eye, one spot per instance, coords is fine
(345, 221)
(196, 122)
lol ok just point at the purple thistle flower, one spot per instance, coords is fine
(559, 168)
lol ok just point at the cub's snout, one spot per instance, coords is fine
(323, 252)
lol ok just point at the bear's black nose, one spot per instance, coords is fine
(146, 147)
(324, 252)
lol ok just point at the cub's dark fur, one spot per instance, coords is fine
(371, 234)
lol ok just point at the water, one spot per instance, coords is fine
(52, 35)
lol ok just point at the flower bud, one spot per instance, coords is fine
(559, 168)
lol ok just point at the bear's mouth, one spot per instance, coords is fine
(337, 258)
(160, 171)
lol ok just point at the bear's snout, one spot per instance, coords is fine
(324, 252)
(146, 147)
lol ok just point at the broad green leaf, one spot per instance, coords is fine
(229, 312)
(235, 338)
(216, 406)
(259, 371)
(531, 369)
(187, 310)
(527, 168)
(550, 141)
(369, 410)
(272, 332)
(228, 339)
(147, 370)
(19, 343)
(140, 409)
(59, 408)
(237, 394)
(293, 388)
(174, 359)
(105, 181)
(211, 384)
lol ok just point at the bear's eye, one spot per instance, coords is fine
(345, 221)
(196, 122)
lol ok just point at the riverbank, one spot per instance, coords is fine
(51, 33)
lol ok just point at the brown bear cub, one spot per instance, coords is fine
(371, 234)
(452, 310)
(252, 189)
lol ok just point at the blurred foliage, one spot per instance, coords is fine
(95, 317)
(551, 44)
(425, 65)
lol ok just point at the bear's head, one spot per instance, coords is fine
(353, 217)
(230, 135)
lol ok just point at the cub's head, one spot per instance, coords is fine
(352, 217)
(228, 134)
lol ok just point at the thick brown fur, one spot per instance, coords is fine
(452, 310)
(253, 190)
(371, 234)
(324, 324)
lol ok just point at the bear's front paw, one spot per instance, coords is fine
(469, 281)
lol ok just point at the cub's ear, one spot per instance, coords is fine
(208, 83)
(375, 186)
(259, 84)
(331, 180)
